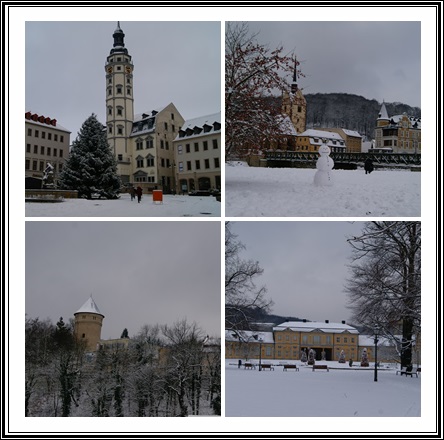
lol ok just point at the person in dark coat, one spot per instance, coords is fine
(368, 165)
(139, 194)
(133, 193)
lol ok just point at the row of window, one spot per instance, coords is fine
(40, 165)
(316, 339)
(119, 90)
(206, 165)
(196, 147)
(44, 135)
(44, 150)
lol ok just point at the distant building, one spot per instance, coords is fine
(88, 324)
(143, 144)
(353, 140)
(401, 133)
(197, 154)
(310, 141)
(46, 141)
(294, 104)
(288, 340)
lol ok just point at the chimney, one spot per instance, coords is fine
(326, 321)
(343, 322)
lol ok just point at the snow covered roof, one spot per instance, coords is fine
(383, 112)
(321, 134)
(397, 119)
(200, 126)
(44, 121)
(89, 307)
(148, 114)
(331, 327)
(287, 126)
(351, 133)
(249, 336)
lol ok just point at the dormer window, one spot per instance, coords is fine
(207, 128)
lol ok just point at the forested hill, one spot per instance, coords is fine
(353, 112)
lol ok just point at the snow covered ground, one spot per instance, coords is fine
(172, 206)
(290, 192)
(345, 392)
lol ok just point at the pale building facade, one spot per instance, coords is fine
(46, 141)
(310, 141)
(197, 154)
(143, 143)
(353, 140)
(288, 340)
(401, 133)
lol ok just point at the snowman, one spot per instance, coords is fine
(324, 166)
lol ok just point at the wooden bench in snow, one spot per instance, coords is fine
(320, 367)
(291, 367)
(407, 372)
(249, 366)
(267, 367)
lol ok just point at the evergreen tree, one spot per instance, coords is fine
(91, 167)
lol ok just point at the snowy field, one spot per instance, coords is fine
(346, 392)
(172, 206)
(290, 192)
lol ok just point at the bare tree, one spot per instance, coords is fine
(242, 297)
(252, 72)
(385, 285)
(184, 357)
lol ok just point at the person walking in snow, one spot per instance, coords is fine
(133, 192)
(139, 194)
(368, 165)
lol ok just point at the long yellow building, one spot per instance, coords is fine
(289, 340)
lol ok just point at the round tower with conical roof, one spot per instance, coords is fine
(88, 324)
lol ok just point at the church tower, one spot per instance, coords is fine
(294, 104)
(88, 324)
(120, 103)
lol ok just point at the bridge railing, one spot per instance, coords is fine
(357, 158)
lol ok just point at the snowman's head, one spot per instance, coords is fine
(324, 150)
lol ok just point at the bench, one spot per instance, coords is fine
(291, 367)
(320, 367)
(413, 371)
(266, 367)
(249, 366)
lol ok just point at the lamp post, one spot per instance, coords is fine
(260, 354)
(376, 332)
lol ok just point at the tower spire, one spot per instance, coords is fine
(294, 84)
(119, 44)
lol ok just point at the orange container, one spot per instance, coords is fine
(157, 195)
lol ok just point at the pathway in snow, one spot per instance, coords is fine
(172, 206)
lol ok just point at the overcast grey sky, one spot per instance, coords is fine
(378, 60)
(177, 62)
(305, 264)
(137, 272)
